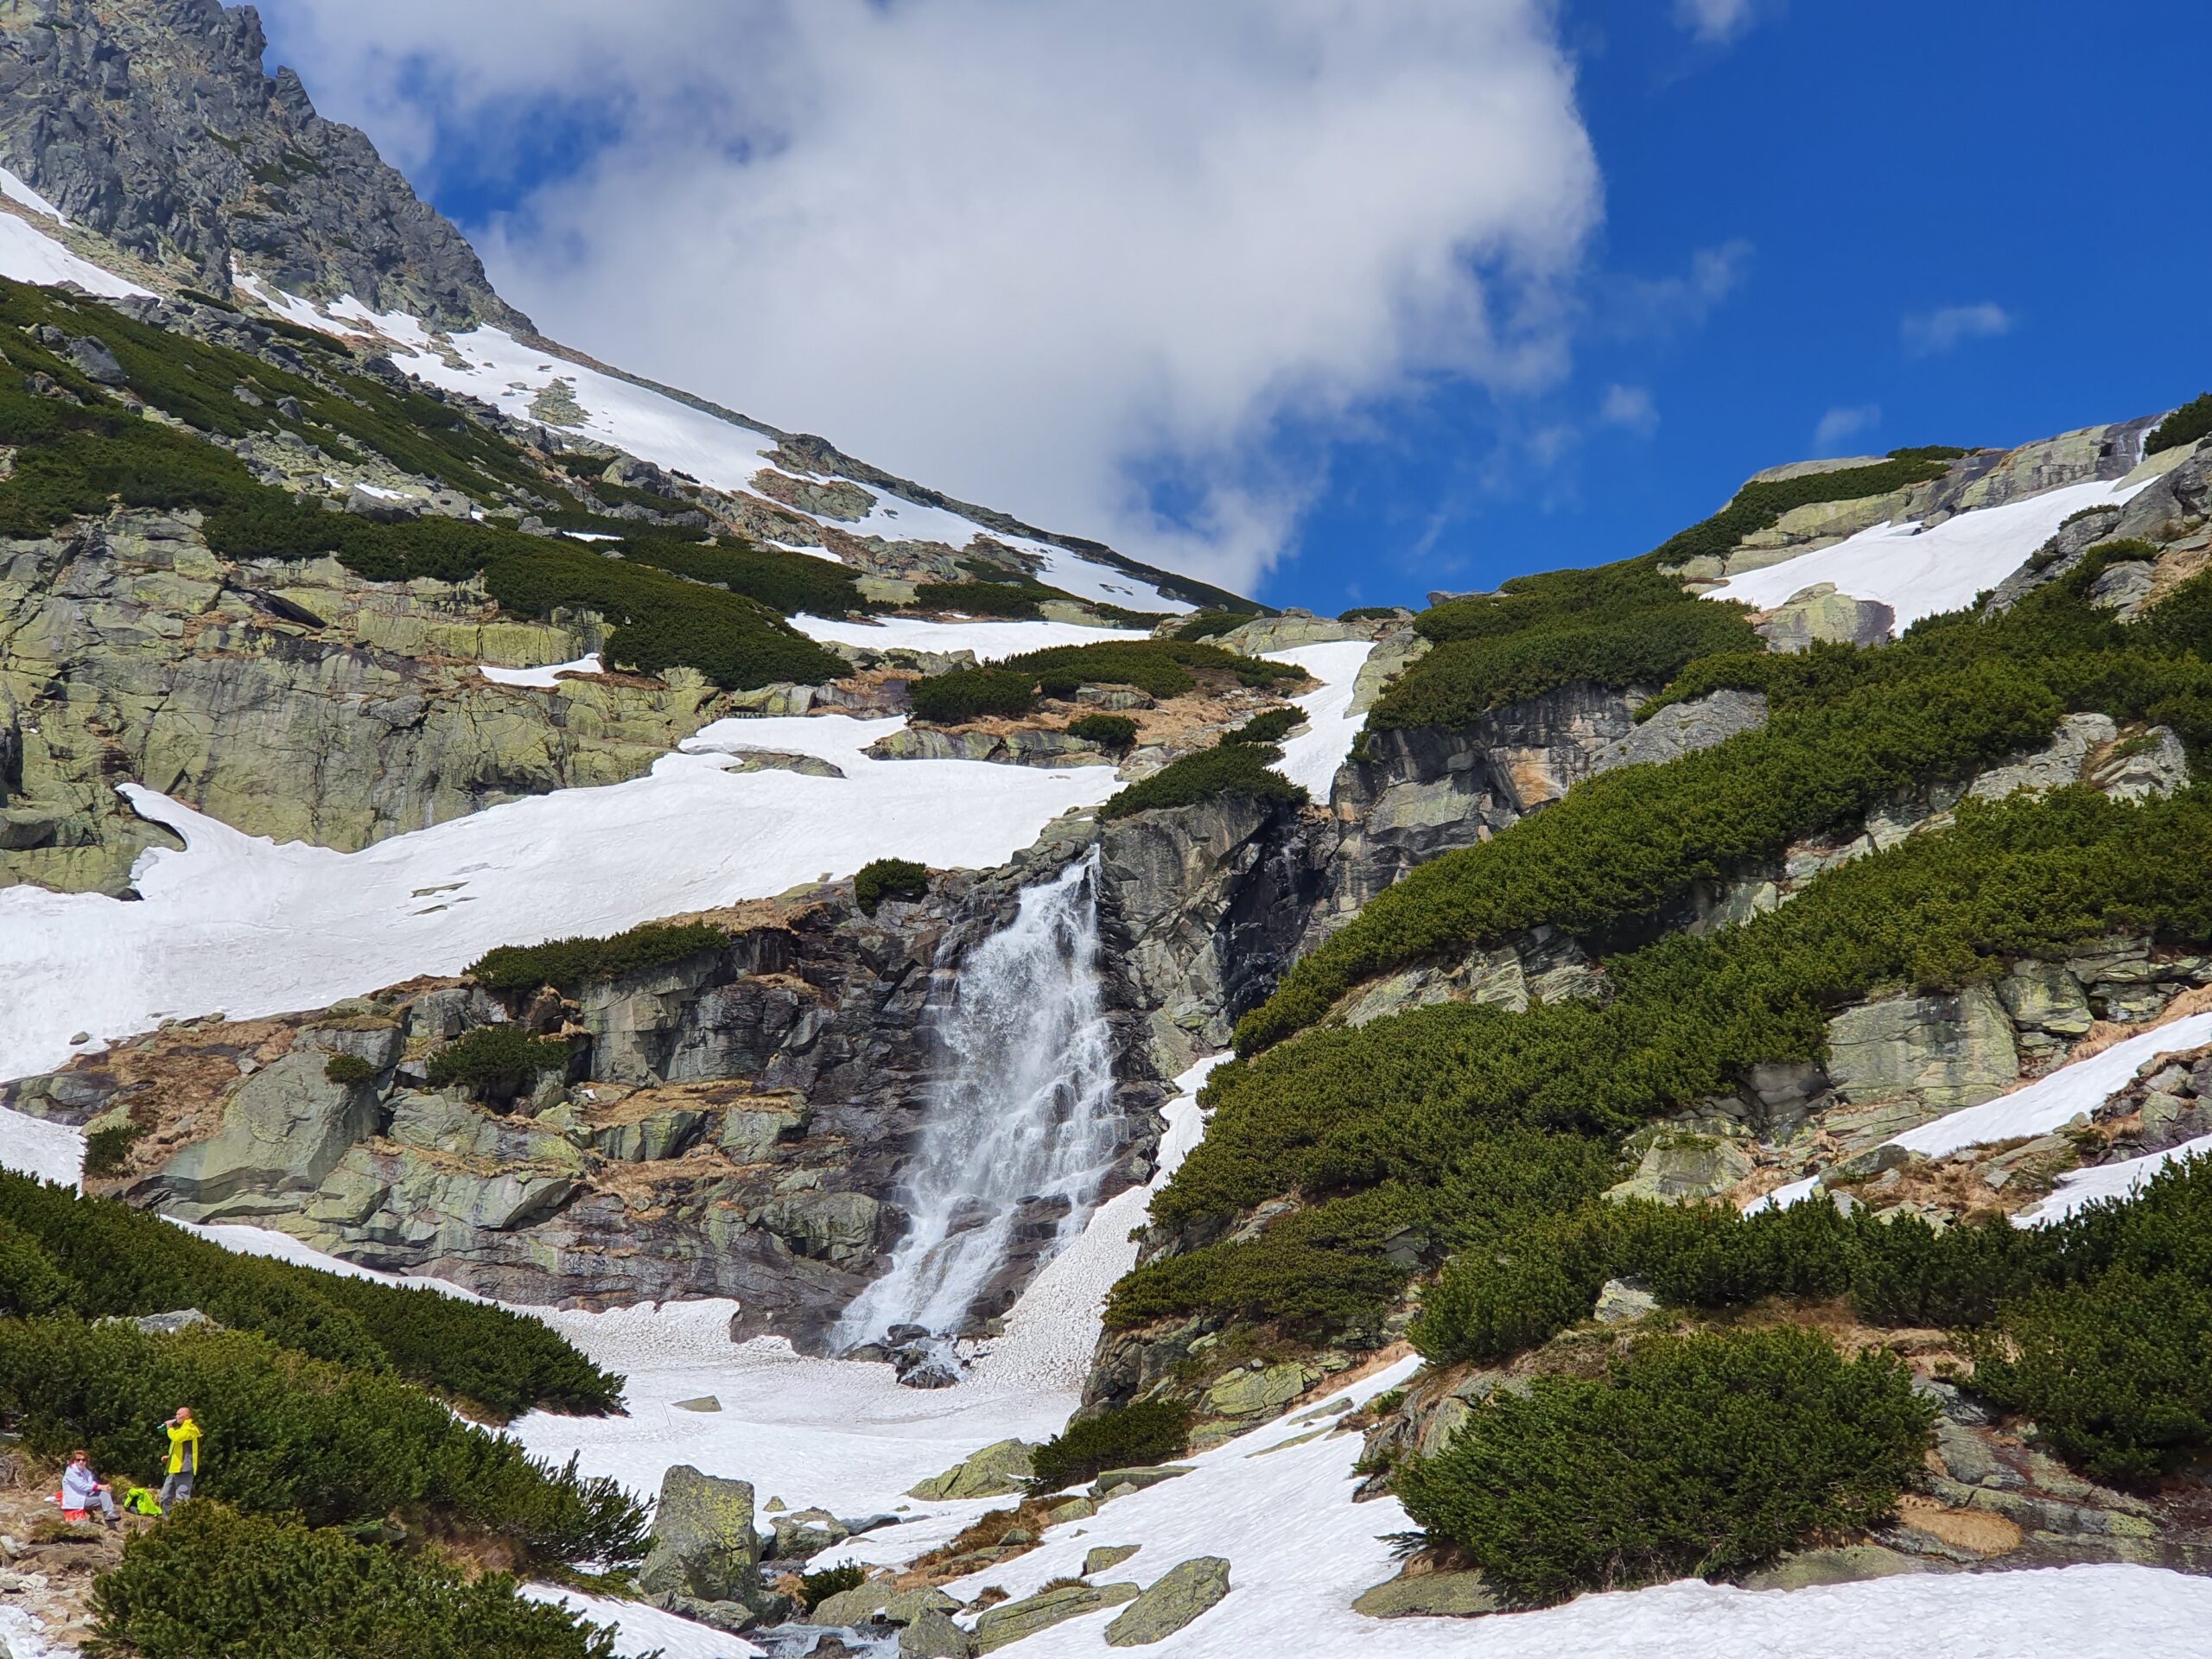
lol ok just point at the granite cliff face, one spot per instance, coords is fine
(153, 122)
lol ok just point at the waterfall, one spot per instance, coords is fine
(1020, 1110)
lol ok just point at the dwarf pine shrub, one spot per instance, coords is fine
(889, 878)
(211, 1583)
(1709, 1455)
(1115, 734)
(1121, 1437)
(583, 961)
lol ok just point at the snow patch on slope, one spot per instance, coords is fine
(47, 1152)
(990, 641)
(2050, 1102)
(543, 677)
(1313, 757)
(1920, 573)
(28, 254)
(492, 365)
(16, 191)
(2122, 1180)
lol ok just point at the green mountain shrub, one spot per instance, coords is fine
(348, 1068)
(2192, 420)
(889, 878)
(1242, 771)
(288, 1433)
(815, 1588)
(980, 598)
(1759, 505)
(1709, 1455)
(582, 960)
(117, 1261)
(966, 694)
(1122, 1437)
(211, 1583)
(1115, 734)
(1269, 726)
(498, 1061)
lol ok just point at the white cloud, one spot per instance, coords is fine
(1659, 306)
(1841, 424)
(1629, 407)
(1714, 21)
(1034, 252)
(1928, 334)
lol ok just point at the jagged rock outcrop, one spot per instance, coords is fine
(295, 701)
(153, 122)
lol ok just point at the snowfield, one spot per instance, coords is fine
(990, 641)
(1919, 572)
(1312, 756)
(542, 678)
(28, 254)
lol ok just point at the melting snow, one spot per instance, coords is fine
(990, 641)
(28, 254)
(16, 190)
(1925, 572)
(587, 663)
(31, 1146)
(1312, 758)
(2122, 1180)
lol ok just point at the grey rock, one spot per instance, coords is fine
(2152, 765)
(806, 1532)
(930, 1635)
(877, 1601)
(1107, 1557)
(1678, 1165)
(169, 1324)
(1683, 728)
(1840, 1564)
(2122, 587)
(705, 1403)
(1431, 1595)
(845, 1229)
(2044, 996)
(1940, 1052)
(998, 1470)
(2059, 764)
(1183, 1593)
(1620, 1300)
(1010, 1621)
(284, 1128)
(96, 362)
(703, 1544)
(1820, 613)
(1136, 1480)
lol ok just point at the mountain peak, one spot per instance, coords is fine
(154, 123)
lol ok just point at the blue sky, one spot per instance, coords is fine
(1813, 229)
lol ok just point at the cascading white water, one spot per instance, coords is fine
(1020, 1109)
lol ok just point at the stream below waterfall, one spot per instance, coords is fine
(1019, 1128)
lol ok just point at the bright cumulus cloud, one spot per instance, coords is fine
(1087, 261)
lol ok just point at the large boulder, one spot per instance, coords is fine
(704, 1548)
(1173, 1600)
(1010, 1621)
(283, 1129)
(884, 1605)
(1431, 1595)
(998, 1471)
(844, 1228)
(807, 1532)
(1943, 1051)
(930, 1635)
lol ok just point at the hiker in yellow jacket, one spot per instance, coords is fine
(184, 1457)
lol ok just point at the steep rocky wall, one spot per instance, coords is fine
(153, 122)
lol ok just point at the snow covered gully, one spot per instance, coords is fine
(1021, 1111)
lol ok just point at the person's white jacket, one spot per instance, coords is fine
(77, 1486)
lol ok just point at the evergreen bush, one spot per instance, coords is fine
(966, 694)
(348, 1068)
(889, 878)
(1268, 727)
(1121, 1437)
(583, 961)
(1241, 771)
(815, 1588)
(1709, 1455)
(1115, 734)
(499, 1062)
(2192, 420)
(211, 1583)
(287, 1433)
(115, 1261)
